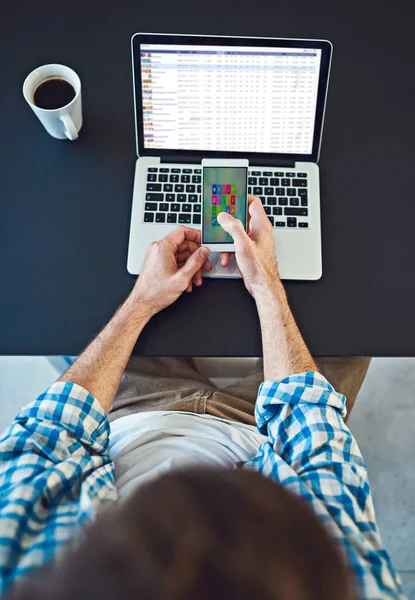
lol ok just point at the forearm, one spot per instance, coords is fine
(285, 352)
(101, 365)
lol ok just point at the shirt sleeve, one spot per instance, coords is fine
(55, 472)
(311, 452)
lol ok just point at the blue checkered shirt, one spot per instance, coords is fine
(55, 473)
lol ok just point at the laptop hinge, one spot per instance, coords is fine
(271, 163)
(254, 162)
(180, 159)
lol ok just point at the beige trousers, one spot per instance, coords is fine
(173, 383)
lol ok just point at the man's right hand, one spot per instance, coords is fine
(254, 250)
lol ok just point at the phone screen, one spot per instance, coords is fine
(224, 190)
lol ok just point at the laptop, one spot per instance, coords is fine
(243, 97)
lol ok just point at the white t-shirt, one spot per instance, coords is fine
(145, 445)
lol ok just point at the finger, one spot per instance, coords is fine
(188, 245)
(225, 259)
(194, 263)
(258, 219)
(181, 234)
(181, 257)
(189, 288)
(207, 266)
(197, 279)
(235, 229)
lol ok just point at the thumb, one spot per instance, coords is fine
(234, 227)
(195, 262)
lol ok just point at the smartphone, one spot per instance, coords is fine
(224, 189)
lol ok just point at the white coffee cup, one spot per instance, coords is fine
(64, 122)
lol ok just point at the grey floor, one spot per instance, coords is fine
(383, 422)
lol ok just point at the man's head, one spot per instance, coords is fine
(201, 535)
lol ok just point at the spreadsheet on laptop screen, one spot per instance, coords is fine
(229, 98)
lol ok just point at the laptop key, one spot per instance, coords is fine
(304, 225)
(291, 222)
(148, 217)
(154, 197)
(263, 181)
(170, 197)
(286, 182)
(185, 219)
(171, 218)
(267, 210)
(151, 177)
(301, 175)
(304, 201)
(190, 188)
(197, 219)
(277, 210)
(267, 173)
(160, 218)
(175, 171)
(185, 178)
(175, 207)
(197, 208)
(181, 198)
(150, 206)
(291, 192)
(199, 189)
(279, 224)
(271, 201)
(269, 191)
(152, 169)
(252, 180)
(168, 187)
(179, 187)
(302, 193)
(299, 183)
(174, 178)
(187, 170)
(154, 187)
(283, 201)
(257, 191)
(196, 178)
(163, 206)
(272, 220)
(186, 208)
(256, 173)
(278, 174)
(274, 181)
(193, 198)
(263, 200)
(296, 212)
(163, 177)
(294, 202)
(290, 174)
(249, 190)
(198, 171)
(164, 170)
(280, 191)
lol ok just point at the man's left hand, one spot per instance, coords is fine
(171, 266)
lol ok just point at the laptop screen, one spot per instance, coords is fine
(229, 98)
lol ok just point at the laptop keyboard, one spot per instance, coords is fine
(173, 195)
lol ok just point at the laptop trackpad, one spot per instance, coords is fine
(219, 271)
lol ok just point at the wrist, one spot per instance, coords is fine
(139, 308)
(269, 293)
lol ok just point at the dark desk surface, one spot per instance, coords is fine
(65, 207)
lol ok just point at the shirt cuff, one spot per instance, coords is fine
(309, 387)
(71, 407)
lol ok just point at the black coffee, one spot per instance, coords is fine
(53, 93)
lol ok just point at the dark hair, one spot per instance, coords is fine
(202, 534)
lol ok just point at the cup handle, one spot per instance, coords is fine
(70, 129)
